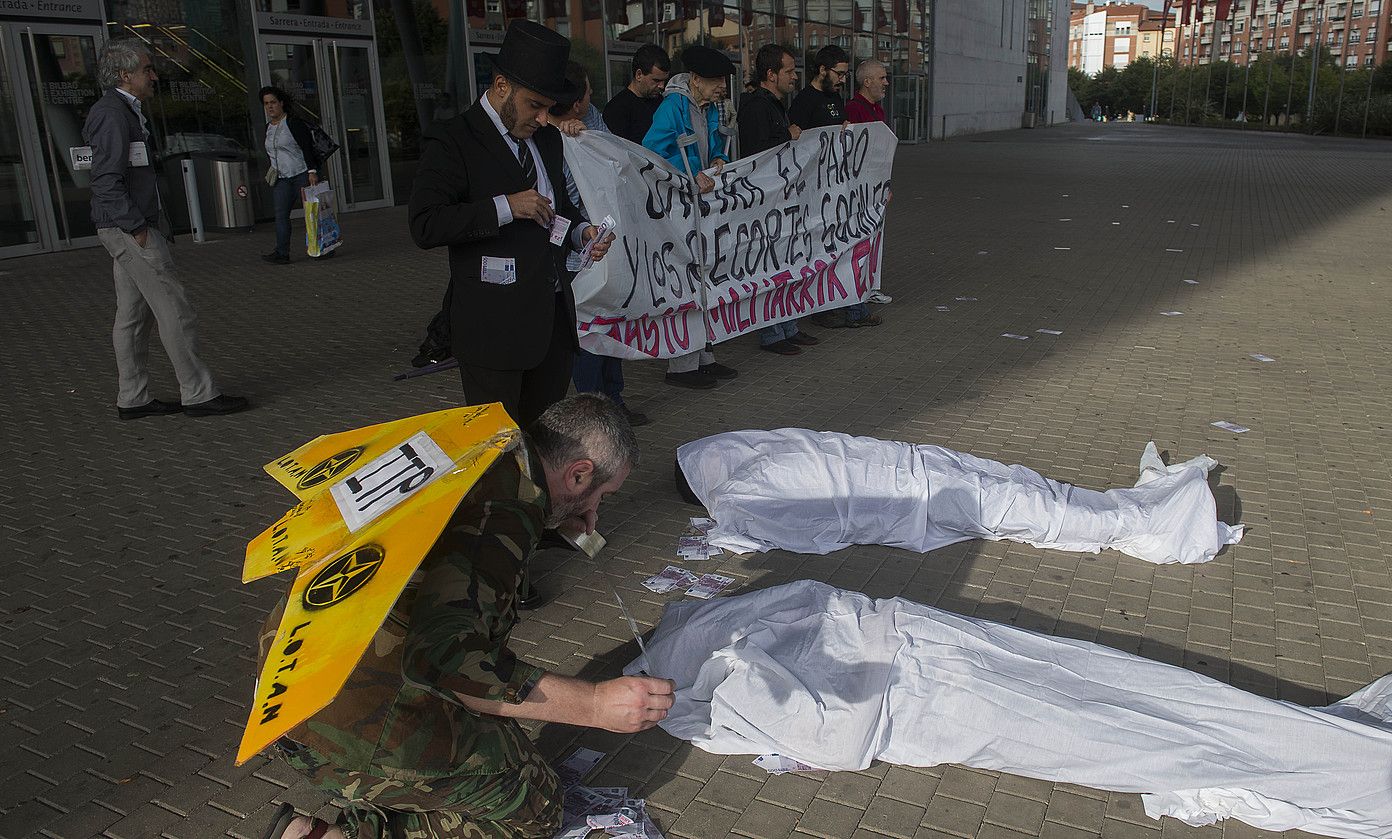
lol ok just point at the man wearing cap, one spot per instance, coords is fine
(689, 109)
(489, 187)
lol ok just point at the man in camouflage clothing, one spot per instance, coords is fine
(420, 741)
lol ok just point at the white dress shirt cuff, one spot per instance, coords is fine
(577, 236)
(500, 203)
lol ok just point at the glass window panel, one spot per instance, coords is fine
(63, 87)
(18, 220)
(204, 51)
(424, 73)
(361, 156)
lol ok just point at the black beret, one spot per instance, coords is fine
(707, 63)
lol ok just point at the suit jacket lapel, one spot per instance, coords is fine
(488, 134)
(551, 158)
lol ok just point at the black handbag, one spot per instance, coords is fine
(324, 145)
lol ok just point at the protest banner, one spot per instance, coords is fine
(794, 230)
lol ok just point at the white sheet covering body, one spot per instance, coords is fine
(817, 492)
(836, 679)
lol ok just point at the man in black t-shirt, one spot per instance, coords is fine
(763, 124)
(820, 103)
(630, 113)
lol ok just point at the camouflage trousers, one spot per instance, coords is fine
(522, 802)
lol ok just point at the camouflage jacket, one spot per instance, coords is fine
(397, 715)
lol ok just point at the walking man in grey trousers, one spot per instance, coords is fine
(126, 212)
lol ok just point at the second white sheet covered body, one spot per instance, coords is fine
(817, 492)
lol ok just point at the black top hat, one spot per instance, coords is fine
(535, 58)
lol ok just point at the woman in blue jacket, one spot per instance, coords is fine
(690, 107)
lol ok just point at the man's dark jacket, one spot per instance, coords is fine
(123, 195)
(465, 162)
(763, 122)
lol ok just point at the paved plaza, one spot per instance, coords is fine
(126, 637)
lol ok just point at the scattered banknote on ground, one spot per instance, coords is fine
(709, 585)
(696, 547)
(671, 579)
(776, 764)
(577, 766)
(587, 809)
(1230, 426)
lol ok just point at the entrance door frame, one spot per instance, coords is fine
(331, 101)
(918, 84)
(50, 224)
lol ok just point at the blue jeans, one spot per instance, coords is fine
(286, 195)
(857, 312)
(778, 332)
(598, 374)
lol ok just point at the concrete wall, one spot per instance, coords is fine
(979, 65)
(1058, 72)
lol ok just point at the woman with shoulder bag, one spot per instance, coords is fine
(294, 165)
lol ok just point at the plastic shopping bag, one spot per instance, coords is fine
(322, 233)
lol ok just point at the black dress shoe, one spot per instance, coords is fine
(635, 418)
(217, 406)
(718, 370)
(868, 320)
(276, 258)
(694, 379)
(784, 347)
(802, 339)
(835, 319)
(153, 408)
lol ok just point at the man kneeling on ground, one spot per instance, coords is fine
(421, 741)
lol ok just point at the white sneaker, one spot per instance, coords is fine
(877, 296)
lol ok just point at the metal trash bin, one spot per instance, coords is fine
(224, 190)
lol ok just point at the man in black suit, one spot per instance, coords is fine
(490, 188)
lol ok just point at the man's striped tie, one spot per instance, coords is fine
(524, 157)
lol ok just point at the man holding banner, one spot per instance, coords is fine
(686, 132)
(763, 124)
(629, 113)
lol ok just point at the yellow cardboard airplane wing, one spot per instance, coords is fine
(372, 502)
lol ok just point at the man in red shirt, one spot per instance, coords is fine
(872, 82)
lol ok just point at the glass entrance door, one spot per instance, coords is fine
(49, 85)
(335, 84)
(906, 100)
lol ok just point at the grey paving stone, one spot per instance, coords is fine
(125, 634)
